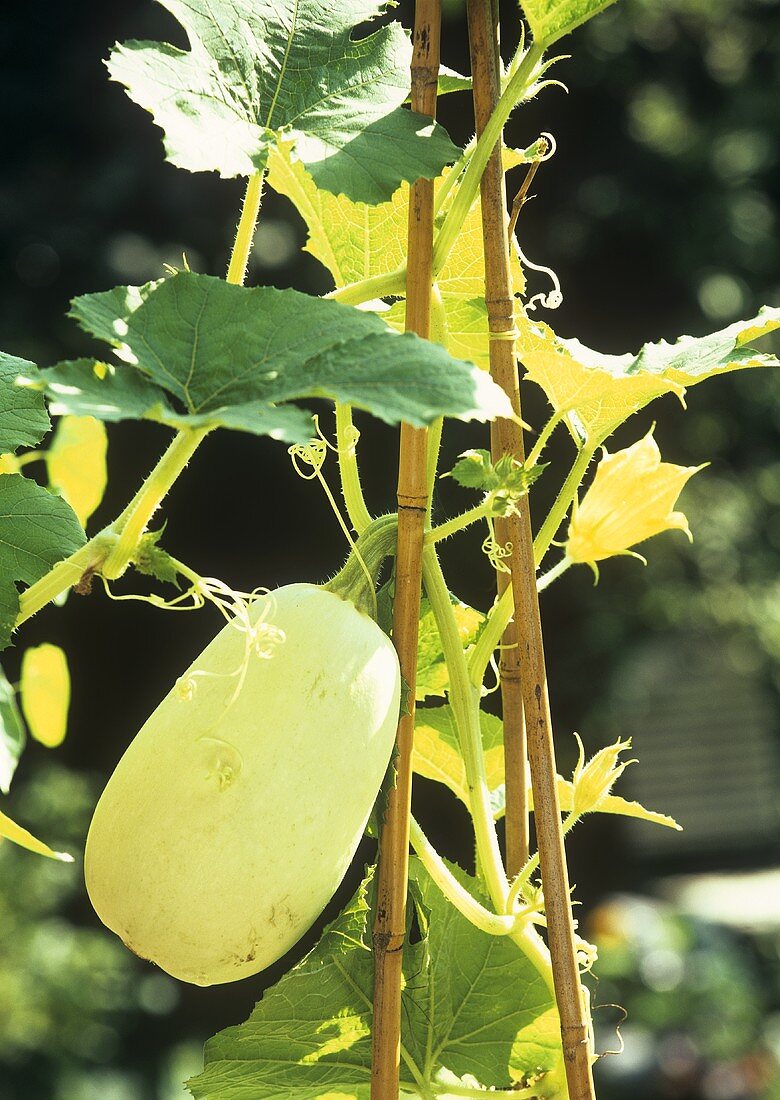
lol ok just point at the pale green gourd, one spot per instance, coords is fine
(228, 825)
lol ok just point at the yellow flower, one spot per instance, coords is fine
(631, 499)
(593, 781)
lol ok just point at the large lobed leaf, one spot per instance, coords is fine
(356, 241)
(596, 392)
(259, 69)
(37, 530)
(550, 20)
(23, 417)
(205, 353)
(472, 1003)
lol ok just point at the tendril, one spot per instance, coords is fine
(313, 455)
(494, 551)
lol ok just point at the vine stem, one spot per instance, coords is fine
(134, 520)
(351, 488)
(562, 503)
(575, 1029)
(522, 79)
(389, 930)
(111, 549)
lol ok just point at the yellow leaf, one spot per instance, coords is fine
(9, 830)
(76, 462)
(436, 753)
(45, 693)
(597, 392)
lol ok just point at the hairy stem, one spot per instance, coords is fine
(542, 439)
(517, 87)
(134, 520)
(351, 488)
(366, 290)
(458, 523)
(245, 233)
(562, 503)
(88, 559)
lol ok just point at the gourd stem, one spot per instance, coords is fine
(389, 930)
(552, 574)
(532, 675)
(377, 543)
(458, 523)
(346, 441)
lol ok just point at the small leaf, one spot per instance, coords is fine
(474, 469)
(259, 69)
(153, 561)
(76, 461)
(597, 392)
(45, 693)
(432, 677)
(12, 733)
(37, 529)
(9, 830)
(550, 20)
(209, 353)
(23, 417)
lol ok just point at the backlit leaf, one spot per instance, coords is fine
(45, 693)
(23, 417)
(259, 69)
(76, 461)
(12, 733)
(9, 830)
(550, 20)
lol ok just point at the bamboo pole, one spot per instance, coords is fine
(485, 65)
(390, 921)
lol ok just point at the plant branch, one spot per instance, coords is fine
(245, 233)
(390, 921)
(366, 290)
(485, 64)
(562, 503)
(458, 523)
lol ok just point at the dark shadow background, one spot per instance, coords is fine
(659, 215)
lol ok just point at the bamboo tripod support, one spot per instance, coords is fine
(390, 922)
(485, 66)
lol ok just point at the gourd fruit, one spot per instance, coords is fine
(233, 816)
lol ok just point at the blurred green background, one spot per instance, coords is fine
(659, 213)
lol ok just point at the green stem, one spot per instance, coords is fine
(467, 905)
(453, 176)
(133, 522)
(444, 1091)
(541, 442)
(501, 614)
(522, 79)
(245, 233)
(458, 523)
(346, 441)
(89, 558)
(356, 580)
(465, 705)
(552, 574)
(562, 503)
(519, 884)
(376, 286)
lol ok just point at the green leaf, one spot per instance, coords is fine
(550, 20)
(432, 677)
(37, 529)
(23, 417)
(437, 754)
(260, 69)
(151, 560)
(310, 1035)
(597, 392)
(483, 1009)
(209, 353)
(12, 733)
(356, 241)
(471, 1003)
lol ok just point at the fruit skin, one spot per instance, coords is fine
(226, 829)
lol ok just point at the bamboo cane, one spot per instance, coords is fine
(390, 921)
(483, 38)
